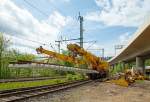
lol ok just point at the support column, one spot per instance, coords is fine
(111, 70)
(113, 67)
(123, 65)
(140, 64)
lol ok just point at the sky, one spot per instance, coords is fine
(33, 23)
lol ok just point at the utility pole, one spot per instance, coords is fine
(100, 49)
(118, 47)
(81, 30)
(58, 45)
(102, 52)
(81, 34)
(59, 42)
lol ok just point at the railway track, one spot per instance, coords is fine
(29, 79)
(25, 93)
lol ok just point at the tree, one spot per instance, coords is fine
(4, 70)
(3, 48)
(147, 62)
(15, 56)
(25, 57)
(66, 63)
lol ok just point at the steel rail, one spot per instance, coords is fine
(25, 93)
(29, 79)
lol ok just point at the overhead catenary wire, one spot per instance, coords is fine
(29, 46)
(91, 45)
(52, 47)
(37, 9)
(45, 14)
(30, 40)
(26, 38)
(40, 11)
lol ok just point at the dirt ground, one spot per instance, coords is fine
(101, 92)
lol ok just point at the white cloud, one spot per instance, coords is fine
(103, 3)
(19, 23)
(58, 20)
(65, 1)
(121, 12)
(124, 38)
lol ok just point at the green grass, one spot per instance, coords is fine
(14, 85)
(139, 81)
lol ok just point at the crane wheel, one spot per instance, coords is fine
(94, 76)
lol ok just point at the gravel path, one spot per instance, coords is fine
(100, 92)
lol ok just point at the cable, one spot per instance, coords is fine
(67, 40)
(90, 45)
(88, 42)
(36, 8)
(40, 11)
(45, 14)
(24, 45)
(28, 46)
(52, 47)
(31, 40)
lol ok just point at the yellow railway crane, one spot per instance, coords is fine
(95, 62)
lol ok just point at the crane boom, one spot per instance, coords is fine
(58, 56)
(96, 62)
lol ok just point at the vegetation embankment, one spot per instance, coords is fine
(8, 54)
(15, 85)
(121, 68)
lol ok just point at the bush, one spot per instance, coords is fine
(79, 76)
(69, 77)
(4, 70)
(75, 77)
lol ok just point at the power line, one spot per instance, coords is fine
(52, 47)
(31, 40)
(24, 45)
(117, 47)
(68, 40)
(15, 37)
(91, 45)
(40, 11)
(99, 49)
(88, 42)
(79, 17)
(59, 42)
